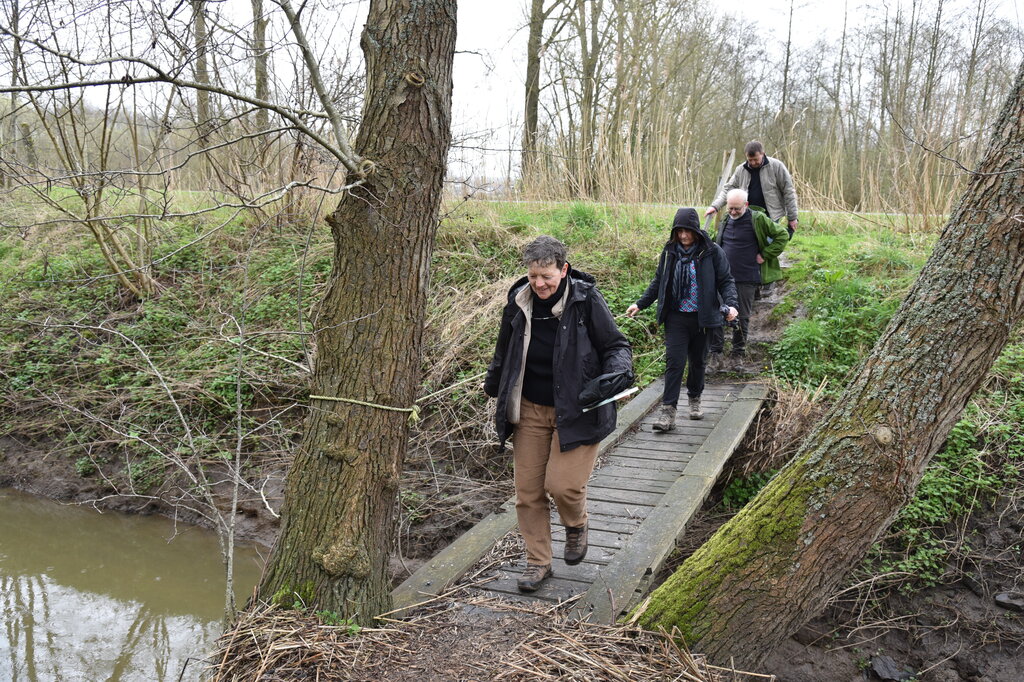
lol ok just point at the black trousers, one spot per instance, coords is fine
(745, 295)
(684, 341)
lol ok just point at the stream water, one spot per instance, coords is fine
(91, 596)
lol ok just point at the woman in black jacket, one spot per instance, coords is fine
(557, 339)
(692, 276)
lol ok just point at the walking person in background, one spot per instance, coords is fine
(752, 243)
(693, 273)
(768, 185)
(557, 340)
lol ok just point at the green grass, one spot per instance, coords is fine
(91, 395)
(843, 288)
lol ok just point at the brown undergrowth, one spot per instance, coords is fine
(458, 636)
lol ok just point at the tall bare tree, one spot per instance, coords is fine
(261, 62)
(540, 11)
(11, 130)
(774, 565)
(338, 519)
(202, 70)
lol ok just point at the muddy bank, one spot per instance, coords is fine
(970, 629)
(34, 469)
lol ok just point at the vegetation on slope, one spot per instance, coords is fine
(91, 373)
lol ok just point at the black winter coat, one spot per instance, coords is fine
(588, 344)
(714, 280)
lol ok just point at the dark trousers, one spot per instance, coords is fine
(684, 340)
(745, 294)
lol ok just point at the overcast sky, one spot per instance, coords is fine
(490, 65)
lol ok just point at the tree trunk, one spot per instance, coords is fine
(774, 565)
(338, 526)
(532, 103)
(785, 66)
(202, 69)
(590, 53)
(260, 57)
(12, 114)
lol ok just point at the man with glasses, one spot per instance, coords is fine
(752, 243)
(767, 182)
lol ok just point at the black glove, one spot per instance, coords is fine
(604, 387)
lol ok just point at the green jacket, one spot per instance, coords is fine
(771, 241)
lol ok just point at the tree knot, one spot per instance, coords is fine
(342, 558)
(366, 169)
(342, 454)
(883, 435)
(414, 79)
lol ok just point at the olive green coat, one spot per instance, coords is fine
(771, 241)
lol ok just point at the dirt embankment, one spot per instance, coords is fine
(970, 629)
(35, 469)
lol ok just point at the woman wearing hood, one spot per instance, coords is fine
(692, 276)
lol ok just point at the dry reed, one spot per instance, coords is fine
(459, 636)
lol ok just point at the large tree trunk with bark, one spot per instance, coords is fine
(532, 100)
(774, 565)
(338, 521)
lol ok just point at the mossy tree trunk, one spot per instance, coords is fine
(338, 520)
(773, 566)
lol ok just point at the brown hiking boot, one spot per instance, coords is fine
(695, 411)
(666, 418)
(575, 544)
(714, 363)
(533, 576)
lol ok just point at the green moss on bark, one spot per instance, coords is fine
(749, 543)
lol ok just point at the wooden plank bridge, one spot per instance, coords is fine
(645, 490)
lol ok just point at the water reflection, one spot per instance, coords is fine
(89, 596)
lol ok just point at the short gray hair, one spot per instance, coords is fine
(753, 147)
(544, 251)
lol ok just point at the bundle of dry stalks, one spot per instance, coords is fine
(776, 434)
(456, 637)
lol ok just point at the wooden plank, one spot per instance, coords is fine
(657, 448)
(577, 573)
(689, 427)
(729, 433)
(651, 543)
(631, 497)
(583, 572)
(611, 524)
(523, 598)
(652, 464)
(619, 509)
(554, 589)
(438, 574)
(618, 471)
(595, 553)
(680, 441)
(628, 483)
(681, 434)
(597, 538)
(659, 455)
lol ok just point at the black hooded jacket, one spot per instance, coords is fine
(588, 344)
(714, 279)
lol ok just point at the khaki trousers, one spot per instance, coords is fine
(541, 469)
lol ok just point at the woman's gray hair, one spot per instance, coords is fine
(544, 251)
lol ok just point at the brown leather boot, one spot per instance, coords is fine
(695, 411)
(533, 576)
(575, 544)
(666, 418)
